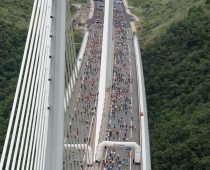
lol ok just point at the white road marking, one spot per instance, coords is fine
(83, 79)
(131, 89)
(84, 158)
(106, 153)
(131, 103)
(129, 51)
(105, 157)
(90, 127)
(131, 129)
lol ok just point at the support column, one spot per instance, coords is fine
(108, 41)
(55, 134)
(106, 67)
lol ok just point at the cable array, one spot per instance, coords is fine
(71, 70)
(26, 137)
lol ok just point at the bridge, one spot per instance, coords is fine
(85, 111)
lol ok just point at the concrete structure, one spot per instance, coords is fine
(65, 105)
(106, 67)
(145, 143)
(55, 136)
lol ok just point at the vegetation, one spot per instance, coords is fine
(175, 39)
(78, 36)
(157, 16)
(73, 10)
(14, 18)
(177, 78)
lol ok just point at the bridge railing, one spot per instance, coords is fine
(144, 129)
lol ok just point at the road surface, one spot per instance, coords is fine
(123, 123)
(123, 119)
(80, 118)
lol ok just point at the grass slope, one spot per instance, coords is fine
(157, 16)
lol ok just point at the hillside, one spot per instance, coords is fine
(176, 60)
(157, 16)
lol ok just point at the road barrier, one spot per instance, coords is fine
(144, 129)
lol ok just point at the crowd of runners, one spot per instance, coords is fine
(121, 116)
(79, 126)
(122, 119)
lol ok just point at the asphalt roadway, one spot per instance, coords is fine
(123, 120)
(79, 120)
(123, 115)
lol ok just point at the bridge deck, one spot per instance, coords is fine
(80, 119)
(121, 121)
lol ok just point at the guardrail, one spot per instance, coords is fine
(144, 129)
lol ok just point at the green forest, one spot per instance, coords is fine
(14, 19)
(177, 79)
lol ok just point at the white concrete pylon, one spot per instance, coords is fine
(106, 66)
(107, 45)
(55, 135)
